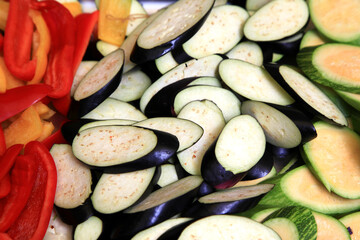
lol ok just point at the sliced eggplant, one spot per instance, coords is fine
(222, 30)
(308, 94)
(283, 157)
(71, 128)
(187, 132)
(158, 207)
(228, 201)
(225, 99)
(279, 130)
(168, 175)
(132, 86)
(90, 229)
(82, 70)
(115, 109)
(116, 192)
(112, 122)
(57, 229)
(263, 167)
(243, 183)
(174, 26)
(252, 82)
(247, 51)
(73, 186)
(267, 24)
(227, 227)
(97, 85)
(156, 232)
(207, 66)
(210, 118)
(117, 149)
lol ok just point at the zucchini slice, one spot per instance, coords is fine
(293, 222)
(334, 157)
(334, 65)
(328, 227)
(252, 82)
(353, 99)
(300, 187)
(351, 222)
(267, 24)
(336, 19)
(227, 227)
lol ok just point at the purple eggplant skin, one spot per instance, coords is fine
(301, 120)
(140, 55)
(71, 128)
(151, 70)
(174, 232)
(282, 156)
(92, 52)
(285, 45)
(262, 167)
(200, 210)
(76, 215)
(166, 147)
(241, 3)
(215, 174)
(136, 222)
(80, 108)
(161, 104)
(180, 56)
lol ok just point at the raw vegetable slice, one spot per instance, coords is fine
(309, 95)
(121, 148)
(111, 122)
(136, 17)
(293, 223)
(228, 201)
(221, 31)
(334, 157)
(225, 99)
(227, 227)
(206, 66)
(116, 192)
(312, 38)
(252, 82)
(300, 187)
(90, 229)
(187, 132)
(336, 19)
(351, 222)
(279, 130)
(210, 118)
(267, 24)
(115, 109)
(156, 231)
(328, 227)
(353, 99)
(247, 51)
(170, 29)
(332, 64)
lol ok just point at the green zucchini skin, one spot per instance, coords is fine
(305, 60)
(302, 218)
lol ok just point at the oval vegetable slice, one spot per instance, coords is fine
(334, 157)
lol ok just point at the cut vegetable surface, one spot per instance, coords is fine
(334, 157)
(333, 64)
(329, 227)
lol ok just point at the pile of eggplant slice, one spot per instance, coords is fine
(188, 122)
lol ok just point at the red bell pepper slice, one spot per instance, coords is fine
(61, 24)
(2, 141)
(1, 42)
(34, 219)
(62, 105)
(5, 186)
(16, 100)
(85, 24)
(55, 138)
(18, 40)
(8, 159)
(5, 236)
(23, 177)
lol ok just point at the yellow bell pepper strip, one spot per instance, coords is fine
(42, 51)
(74, 7)
(18, 40)
(3, 74)
(113, 20)
(28, 127)
(4, 9)
(61, 24)
(34, 219)
(47, 130)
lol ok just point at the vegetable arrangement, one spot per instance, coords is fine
(179, 125)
